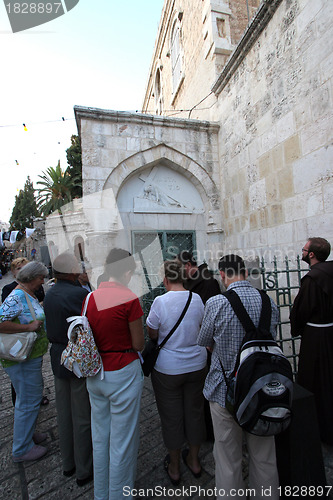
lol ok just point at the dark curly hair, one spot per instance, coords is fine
(320, 247)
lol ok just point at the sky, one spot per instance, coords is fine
(98, 54)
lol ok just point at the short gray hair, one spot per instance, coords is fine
(32, 271)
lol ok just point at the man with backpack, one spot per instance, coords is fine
(223, 333)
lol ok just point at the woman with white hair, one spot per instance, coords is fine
(26, 376)
(15, 267)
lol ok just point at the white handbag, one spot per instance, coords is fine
(18, 346)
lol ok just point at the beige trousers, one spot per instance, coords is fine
(228, 454)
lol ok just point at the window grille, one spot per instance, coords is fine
(171, 244)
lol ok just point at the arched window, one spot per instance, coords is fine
(176, 60)
(53, 250)
(158, 93)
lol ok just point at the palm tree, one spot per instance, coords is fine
(57, 189)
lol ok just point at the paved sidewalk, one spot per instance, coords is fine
(44, 480)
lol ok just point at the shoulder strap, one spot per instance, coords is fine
(242, 314)
(32, 311)
(86, 300)
(266, 311)
(246, 321)
(178, 322)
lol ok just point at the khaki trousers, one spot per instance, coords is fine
(228, 455)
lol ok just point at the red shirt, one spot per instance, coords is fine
(110, 309)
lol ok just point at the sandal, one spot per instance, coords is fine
(166, 463)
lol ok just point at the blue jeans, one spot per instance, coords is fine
(27, 380)
(115, 407)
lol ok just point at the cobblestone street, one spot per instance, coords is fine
(43, 479)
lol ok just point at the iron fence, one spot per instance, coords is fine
(282, 281)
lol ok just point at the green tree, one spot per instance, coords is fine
(57, 189)
(74, 160)
(25, 209)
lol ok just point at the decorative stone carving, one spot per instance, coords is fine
(160, 190)
(160, 194)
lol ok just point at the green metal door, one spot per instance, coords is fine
(154, 247)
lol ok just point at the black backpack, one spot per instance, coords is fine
(260, 388)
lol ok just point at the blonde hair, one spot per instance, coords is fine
(18, 262)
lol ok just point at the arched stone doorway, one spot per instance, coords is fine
(169, 194)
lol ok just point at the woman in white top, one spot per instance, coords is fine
(179, 373)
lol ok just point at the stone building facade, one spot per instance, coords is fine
(233, 148)
(145, 176)
(273, 101)
(194, 42)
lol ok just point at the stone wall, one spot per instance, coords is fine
(273, 100)
(276, 155)
(242, 12)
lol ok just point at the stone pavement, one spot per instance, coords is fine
(43, 479)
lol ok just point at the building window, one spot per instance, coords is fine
(221, 28)
(158, 93)
(176, 60)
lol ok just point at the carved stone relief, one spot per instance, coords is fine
(159, 190)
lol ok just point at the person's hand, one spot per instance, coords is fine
(34, 326)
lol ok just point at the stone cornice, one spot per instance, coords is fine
(252, 33)
(142, 119)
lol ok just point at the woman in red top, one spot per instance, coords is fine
(115, 316)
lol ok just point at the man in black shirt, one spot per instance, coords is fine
(62, 300)
(199, 278)
(312, 318)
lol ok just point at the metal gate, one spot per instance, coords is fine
(282, 279)
(170, 243)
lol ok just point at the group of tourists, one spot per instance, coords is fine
(98, 417)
